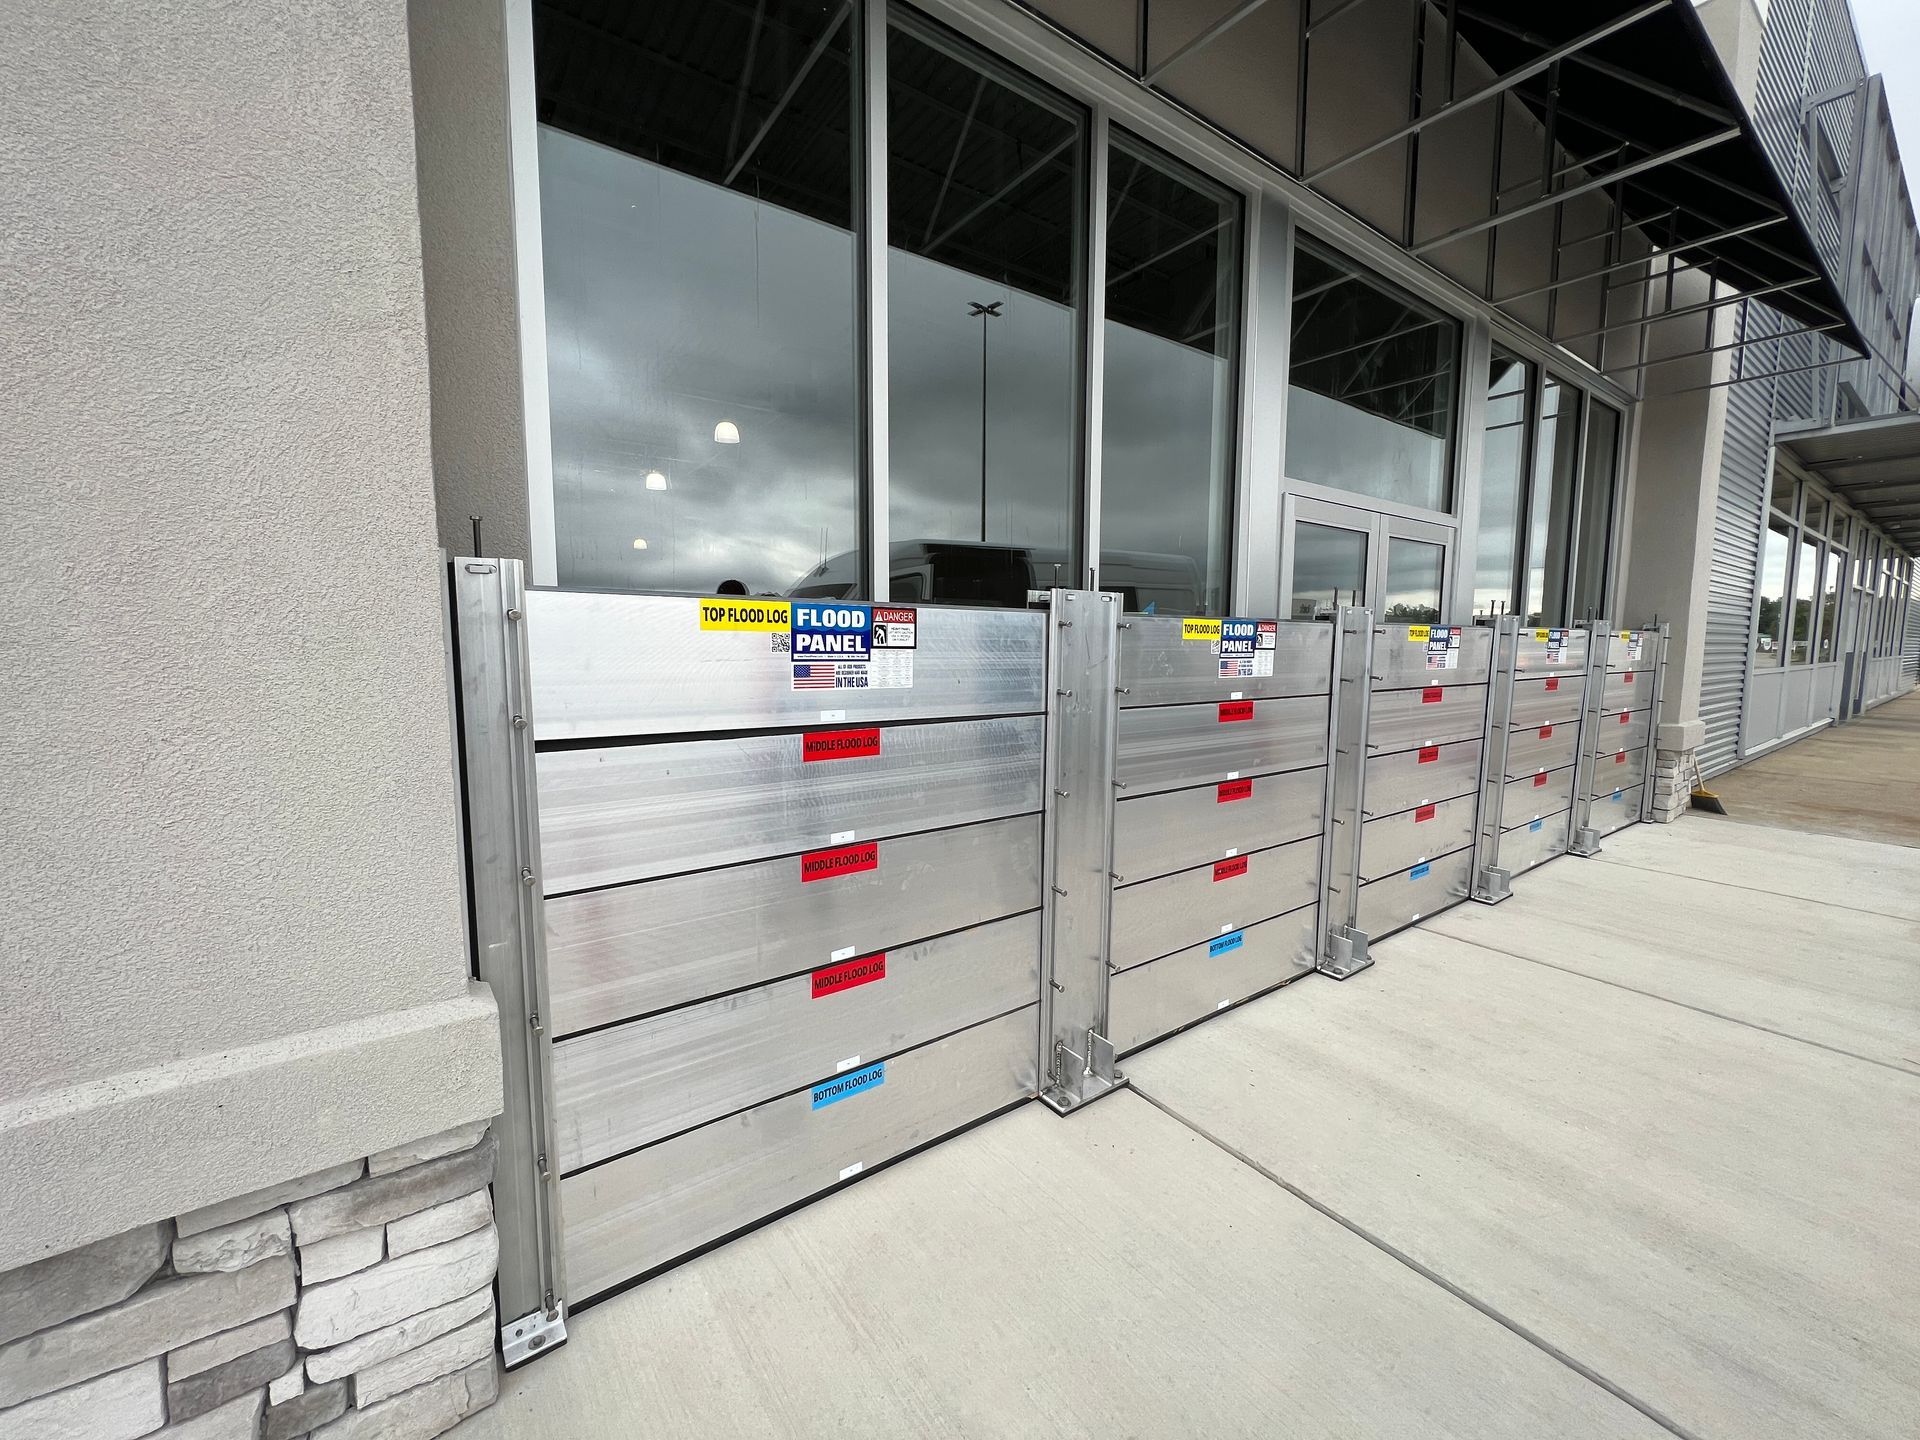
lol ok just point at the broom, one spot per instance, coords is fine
(1703, 798)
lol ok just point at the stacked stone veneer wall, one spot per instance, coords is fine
(349, 1304)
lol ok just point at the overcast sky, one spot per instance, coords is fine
(1890, 30)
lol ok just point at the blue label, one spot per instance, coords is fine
(1535, 826)
(1616, 794)
(1226, 943)
(826, 631)
(1419, 872)
(1239, 636)
(832, 1092)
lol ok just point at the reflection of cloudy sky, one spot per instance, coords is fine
(673, 304)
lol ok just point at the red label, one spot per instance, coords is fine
(835, 978)
(1546, 732)
(1621, 758)
(1227, 869)
(847, 860)
(1232, 790)
(1232, 710)
(1539, 779)
(1625, 716)
(839, 744)
(894, 615)
(1431, 695)
(1629, 677)
(1553, 682)
(1429, 754)
(1425, 812)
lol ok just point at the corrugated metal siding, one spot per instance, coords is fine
(1739, 520)
(1910, 663)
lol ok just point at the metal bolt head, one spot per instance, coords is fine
(526, 877)
(513, 614)
(519, 722)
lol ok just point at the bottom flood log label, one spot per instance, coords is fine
(846, 860)
(1420, 871)
(835, 978)
(1535, 826)
(1226, 943)
(832, 1092)
(1228, 869)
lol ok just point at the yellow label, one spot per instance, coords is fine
(1543, 636)
(1199, 629)
(1627, 635)
(1417, 634)
(728, 612)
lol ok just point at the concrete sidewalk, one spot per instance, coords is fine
(1631, 1154)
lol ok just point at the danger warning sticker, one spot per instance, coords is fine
(1229, 790)
(843, 860)
(832, 1092)
(836, 978)
(1234, 710)
(839, 744)
(1228, 869)
(895, 627)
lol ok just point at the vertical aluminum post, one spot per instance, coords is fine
(1582, 837)
(1652, 767)
(509, 936)
(1083, 676)
(1343, 946)
(1491, 883)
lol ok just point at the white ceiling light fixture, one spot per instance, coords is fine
(726, 433)
(656, 481)
(638, 543)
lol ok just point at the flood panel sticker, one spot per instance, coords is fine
(1246, 648)
(1424, 813)
(1420, 871)
(727, 612)
(1228, 791)
(835, 979)
(831, 646)
(1635, 641)
(1443, 647)
(839, 745)
(1428, 754)
(1228, 869)
(1232, 711)
(842, 860)
(832, 1092)
(1226, 943)
(1556, 643)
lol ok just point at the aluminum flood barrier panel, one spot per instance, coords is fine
(783, 913)
(1534, 712)
(1626, 674)
(1219, 786)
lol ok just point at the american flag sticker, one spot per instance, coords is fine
(829, 675)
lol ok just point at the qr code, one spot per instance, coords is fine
(782, 644)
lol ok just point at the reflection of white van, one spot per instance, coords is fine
(967, 572)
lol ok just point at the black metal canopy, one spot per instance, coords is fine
(1874, 464)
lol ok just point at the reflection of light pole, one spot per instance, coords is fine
(985, 312)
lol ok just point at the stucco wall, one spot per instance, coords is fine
(233, 875)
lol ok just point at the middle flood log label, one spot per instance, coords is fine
(842, 860)
(836, 978)
(839, 744)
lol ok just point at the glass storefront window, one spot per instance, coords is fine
(1370, 398)
(697, 205)
(1782, 498)
(1830, 605)
(985, 174)
(1597, 480)
(1767, 649)
(1415, 569)
(1550, 506)
(1329, 568)
(1806, 577)
(1167, 428)
(1503, 470)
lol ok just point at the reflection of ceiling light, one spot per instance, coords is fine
(726, 433)
(638, 543)
(656, 481)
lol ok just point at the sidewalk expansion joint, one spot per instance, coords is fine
(1754, 889)
(1539, 1342)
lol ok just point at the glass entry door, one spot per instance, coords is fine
(1335, 554)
